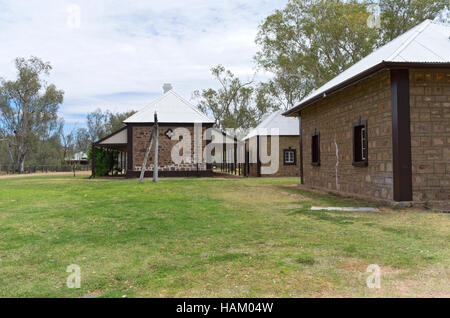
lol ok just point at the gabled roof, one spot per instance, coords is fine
(427, 43)
(171, 108)
(287, 126)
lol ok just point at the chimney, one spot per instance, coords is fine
(167, 87)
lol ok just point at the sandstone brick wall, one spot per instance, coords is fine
(285, 142)
(141, 137)
(333, 118)
(430, 134)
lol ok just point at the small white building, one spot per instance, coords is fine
(80, 158)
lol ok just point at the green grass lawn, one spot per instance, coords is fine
(210, 238)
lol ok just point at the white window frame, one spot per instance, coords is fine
(289, 157)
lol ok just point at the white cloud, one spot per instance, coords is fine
(121, 47)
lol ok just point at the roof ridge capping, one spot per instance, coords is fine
(420, 28)
(156, 100)
(188, 103)
(421, 45)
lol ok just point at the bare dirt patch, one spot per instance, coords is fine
(414, 288)
(295, 196)
(49, 174)
(93, 294)
(355, 266)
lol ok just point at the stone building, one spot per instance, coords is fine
(381, 129)
(173, 112)
(258, 143)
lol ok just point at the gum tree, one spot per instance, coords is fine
(28, 107)
(309, 42)
(398, 16)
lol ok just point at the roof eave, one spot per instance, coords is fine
(293, 112)
(172, 122)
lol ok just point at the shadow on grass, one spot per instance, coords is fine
(305, 260)
(226, 257)
(324, 216)
(328, 199)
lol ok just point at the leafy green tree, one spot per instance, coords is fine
(28, 108)
(284, 90)
(443, 16)
(235, 104)
(398, 16)
(5, 159)
(115, 120)
(96, 125)
(68, 142)
(310, 41)
(228, 104)
(99, 125)
(265, 100)
(46, 152)
(82, 140)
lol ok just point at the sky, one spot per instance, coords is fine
(116, 54)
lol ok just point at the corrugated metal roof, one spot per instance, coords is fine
(288, 126)
(427, 42)
(171, 108)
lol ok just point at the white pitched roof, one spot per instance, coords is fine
(221, 137)
(287, 126)
(427, 42)
(171, 108)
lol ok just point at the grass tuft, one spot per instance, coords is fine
(306, 260)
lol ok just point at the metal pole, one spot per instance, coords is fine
(302, 180)
(224, 158)
(258, 161)
(93, 161)
(235, 158)
(147, 153)
(155, 165)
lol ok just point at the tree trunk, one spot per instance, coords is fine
(20, 163)
(11, 157)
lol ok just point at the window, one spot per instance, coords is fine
(289, 157)
(360, 154)
(315, 149)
